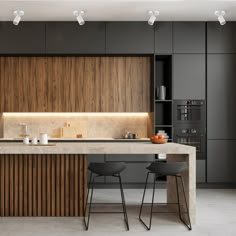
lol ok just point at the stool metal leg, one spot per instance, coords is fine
(189, 226)
(90, 203)
(123, 203)
(153, 195)
(177, 192)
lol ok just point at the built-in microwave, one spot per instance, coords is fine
(189, 112)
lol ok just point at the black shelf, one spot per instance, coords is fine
(157, 100)
(163, 125)
(163, 109)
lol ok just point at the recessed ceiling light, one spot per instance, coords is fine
(79, 17)
(18, 15)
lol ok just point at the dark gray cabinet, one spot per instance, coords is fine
(135, 172)
(189, 76)
(221, 96)
(26, 38)
(201, 171)
(163, 37)
(189, 37)
(96, 158)
(129, 37)
(221, 161)
(221, 39)
(71, 38)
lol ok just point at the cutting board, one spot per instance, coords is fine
(73, 128)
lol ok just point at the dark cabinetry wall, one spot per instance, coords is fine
(221, 84)
(189, 37)
(26, 38)
(71, 38)
(163, 37)
(221, 39)
(189, 76)
(221, 109)
(221, 161)
(129, 37)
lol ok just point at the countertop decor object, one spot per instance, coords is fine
(159, 141)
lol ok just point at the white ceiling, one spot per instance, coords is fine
(122, 10)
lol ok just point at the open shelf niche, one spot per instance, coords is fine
(163, 108)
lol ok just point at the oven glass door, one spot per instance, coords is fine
(192, 113)
(190, 140)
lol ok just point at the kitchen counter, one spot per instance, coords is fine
(97, 148)
(52, 180)
(17, 140)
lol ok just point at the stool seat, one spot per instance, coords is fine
(107, 169)
(167, 168)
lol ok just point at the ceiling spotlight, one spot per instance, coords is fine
(18, 15)
(220, 15)
(79, 16)
(153, 15)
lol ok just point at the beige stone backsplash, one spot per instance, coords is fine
(90, 126)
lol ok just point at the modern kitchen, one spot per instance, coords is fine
(117, 117)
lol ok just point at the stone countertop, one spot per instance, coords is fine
(97, 148)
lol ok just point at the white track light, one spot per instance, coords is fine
(18, 15)
(153, 15)
(220, 15)
(79, 17)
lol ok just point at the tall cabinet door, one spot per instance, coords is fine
(129, 38)
(189, 37)
(189, 76)
(221, 85)
(221, 39)
(163, 37)
(221, 161)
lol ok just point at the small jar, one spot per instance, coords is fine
(34, 140)
(43, 138)
(26, 140)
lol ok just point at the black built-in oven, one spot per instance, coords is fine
(190, 124)
(191, 112)
(193, 136)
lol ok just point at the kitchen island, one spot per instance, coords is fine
(52, 180)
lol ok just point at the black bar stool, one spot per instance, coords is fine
(160, 169)
(104, 169)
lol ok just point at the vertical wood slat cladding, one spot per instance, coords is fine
(42, 185)
(75, 84)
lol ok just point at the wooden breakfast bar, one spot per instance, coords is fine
(52, 180)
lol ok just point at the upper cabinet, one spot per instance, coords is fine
(221, 39)
(129, 38)
(71, 38)
(189, 37)
(163, 37)
(26, 38)
(189, 76)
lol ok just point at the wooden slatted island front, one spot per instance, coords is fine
(52, 180)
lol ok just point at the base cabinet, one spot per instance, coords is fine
(221, 161)
(201, 171)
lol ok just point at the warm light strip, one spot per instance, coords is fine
(74, 114)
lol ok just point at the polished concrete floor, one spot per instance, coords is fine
(216, 215)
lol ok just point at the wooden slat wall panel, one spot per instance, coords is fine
(42, 185)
